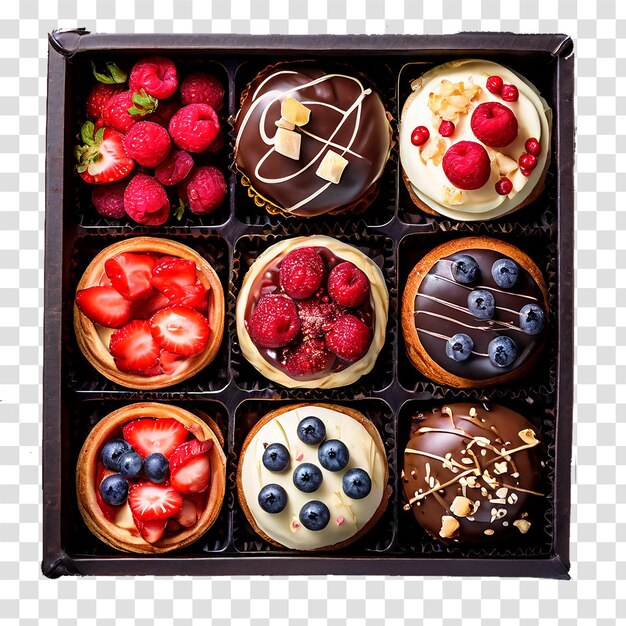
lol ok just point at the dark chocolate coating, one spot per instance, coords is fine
(365, 130)
(501, 492)
(439, 283)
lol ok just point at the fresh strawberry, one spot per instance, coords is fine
(466, 165)
(204, 189)
(180, 329)
(98, 97)
(172, 526)
(175, 168)
(156, 75)
(146, 201)
(123, 109)
(149, 501)
(202, 88)
(105, 281)
(171, 363)
(147, 435)
(147, 143)
(104, 306)
(190, 467)
(109, 199)
(171, 275)
(194, 127)
(145, 309)
(133, 347)
(102, 158)
(195, 296)
(130, 274)
(151, 531)
(188, 514)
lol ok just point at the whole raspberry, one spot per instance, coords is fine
(165, 111)
(109, 199)
(156, 75)
(174, 168)
(494, 124)
(195, 127)
(348, 285)
(302, 272)
(349, 338)
(466, 165)
(218, 143)
(202, 88)
(309, 358)
(145, 201)
(147, 143)
(317, 316)
(99, 96)
(274, 322)
(204, 189)
(123, 109)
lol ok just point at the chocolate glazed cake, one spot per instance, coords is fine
(472, 473)
(474, 313)
(310, 140)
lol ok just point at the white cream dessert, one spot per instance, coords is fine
(508, 154)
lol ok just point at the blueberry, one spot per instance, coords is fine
(155, 467)
(502, 351)
(307, 477)
(356, 483)
(276, 457)
(272, 498)
(130, 464)
(505, 272)
(114, 489)
(311, 430)
(465, 270)
(333, 455)
(459, 347)
(314, 515)
(112, 451)
(532, 319)
(481, 304)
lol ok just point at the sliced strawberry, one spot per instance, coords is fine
(172, 526)
(104, 306)
(145, 309)
(130, 274)
(171, 363)
(171, 275)
(190, 467)
(147, 435)
(151, 531)
(180, 329)
(195, 296)
(149, 501)
(134, 347)
(188, 514)
(105, 281)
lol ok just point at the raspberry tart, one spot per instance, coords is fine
(475, 313)
(149, 313)
(474, 141)
(313, 476)
(472, 474)
(311, 140)
(151, 478)
(312, 313)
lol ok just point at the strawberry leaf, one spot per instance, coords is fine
(86, 133)
(112, 76)
(179, 210)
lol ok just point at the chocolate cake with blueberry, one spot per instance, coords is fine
(313, 476)
(475, 313)
(312, 313)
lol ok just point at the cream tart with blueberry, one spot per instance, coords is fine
(151, 478)
(474, 141)
(312, 313)
(475, 313)
(149, 313)
(313, 476)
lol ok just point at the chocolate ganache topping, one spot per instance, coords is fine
(311, 163)
(472, 473)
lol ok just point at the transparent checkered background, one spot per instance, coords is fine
(599, 497)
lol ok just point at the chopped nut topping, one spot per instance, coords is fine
(295, 112)
(287, 143)
(452, 99)
(461, 507)
(504, 165)
(500, 468)
(332, 166)
(512, 499)
(528, 436)
(473, 412)
(434, 149)
(522, 525)
(489, 531)
(449, 526)
(452, 195)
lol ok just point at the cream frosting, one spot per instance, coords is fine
(428, 180)
(378, 295)
(347, 516)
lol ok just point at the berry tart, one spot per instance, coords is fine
(149, 313)
(312, 313)
(313, 476)
(474, 141)
(311, 140)
(472, 474)
(475, 313)
(151, 478)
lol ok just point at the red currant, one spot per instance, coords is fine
(509, 93)
(525, 172)
(420, 136)
(527, 161)
(504, 186)
(533, 147)
(494, 84)
(446, 129)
